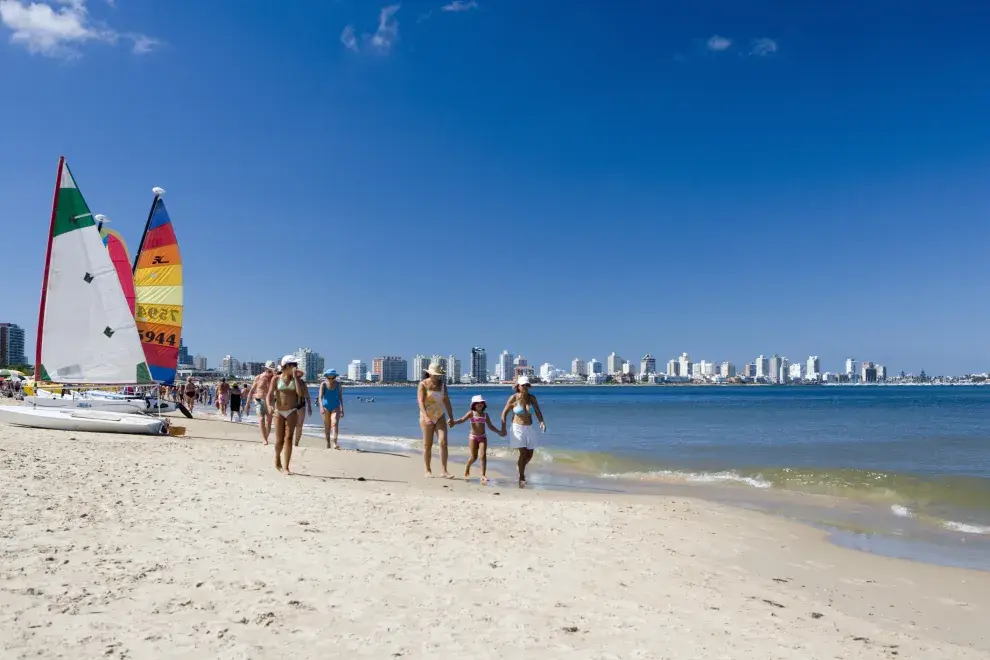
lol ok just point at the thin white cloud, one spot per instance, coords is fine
(763, 47)
(460, 5)
(718, 44)
(349, 38)
(388, 29)
(58, 28)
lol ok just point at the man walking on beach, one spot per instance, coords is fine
(257, 393)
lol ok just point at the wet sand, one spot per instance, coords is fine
(117, 546)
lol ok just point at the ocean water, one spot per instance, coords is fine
(895, 470)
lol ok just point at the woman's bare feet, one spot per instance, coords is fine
(522, 483)
(446, 475)
(278, 465)
(484, 480)
(428, 475)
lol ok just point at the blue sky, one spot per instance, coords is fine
(559, 179)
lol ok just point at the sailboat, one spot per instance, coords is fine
(86, 333)
(158, 292)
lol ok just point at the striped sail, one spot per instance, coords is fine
(121, 261)
(86, 333)
(158, 294)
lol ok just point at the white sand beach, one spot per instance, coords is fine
(195, 547)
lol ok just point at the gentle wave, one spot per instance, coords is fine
(965, 528)
(692, 477)
(901, 511)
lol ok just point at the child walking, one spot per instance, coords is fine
(478, 439)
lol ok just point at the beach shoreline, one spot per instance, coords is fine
(195, 547)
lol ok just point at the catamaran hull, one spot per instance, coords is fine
(87, 421)
(123, 406)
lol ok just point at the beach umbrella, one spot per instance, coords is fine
(7, 373)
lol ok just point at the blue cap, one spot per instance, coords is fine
(330, 372)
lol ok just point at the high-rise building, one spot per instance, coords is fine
(796, 371)
(775, 364)
(391, 369)
(453, 370)
(420, 364)
(728, 370)
(229, 365)
(12, 344)
(696, 369)
(869, 373)
(503, 370)
(546, 372)
(578, 367)
(185, 360)
(648, 365)
(357, 371)
(311, 364)
(762, 367)
(253, 368)
(613, 364)
(707, 368)
(850, 366)
(199, 363)
(684, 365)
(673, 368)
(749, 371)
(813, 369)
(440, 361)
(479, 365)
(881, 373)
(595, 367)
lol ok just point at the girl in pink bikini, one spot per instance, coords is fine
(478, 439)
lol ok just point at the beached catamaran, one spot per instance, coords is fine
(86, 333)
(158, 289)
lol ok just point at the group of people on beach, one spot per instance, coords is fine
(436, 417)
(281, 400)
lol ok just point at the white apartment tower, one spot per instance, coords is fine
(578, 367)
(673, 368)
(503, 370)
(479, 365)
(594, 367)
(684, 365)
(357, 371)
(814, 367)
(614, 364)
(420, 364)
(762, 367)
(850, 366)
(453, 370)
(311, 364)
(728, 370)
(648, 365)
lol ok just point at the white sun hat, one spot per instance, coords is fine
(477, 398)
(523, 380)
(289, 359)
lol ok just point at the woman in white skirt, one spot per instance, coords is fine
(523, 407)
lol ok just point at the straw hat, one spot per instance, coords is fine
(435, 370)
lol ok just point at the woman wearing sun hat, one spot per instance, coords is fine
(434, 413)
(286, 395)
(524, 407)
(331, 400)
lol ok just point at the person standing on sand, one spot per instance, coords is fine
(478, 439)
(259, 395)
(286, 396)
(331, 400)
(434, 413)
(302, 413)
(523, 406)
(190, 392)
(223, 396)
(235, 402)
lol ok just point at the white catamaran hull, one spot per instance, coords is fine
(68, 419)
(108, 402)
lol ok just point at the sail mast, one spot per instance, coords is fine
(44, 281)
(147, 225)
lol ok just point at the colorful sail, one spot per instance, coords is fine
(158, 294)
(121, 261)
(86, 333)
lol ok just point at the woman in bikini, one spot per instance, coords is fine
(524, 407)
(286, 395)
(434, 413)
(478, 440)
